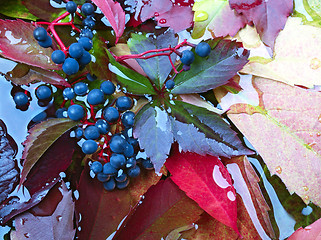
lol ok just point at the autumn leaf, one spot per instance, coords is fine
(164, 208)
(42, 9)
(217, 17)
(59, 225)
(205, 180)
(269, 17)
(8, 172)
(301, 66)
(290, 121)
(111, 207)
(114, 14)
(16, 9)
(17, 43)
(41, 137)
(312, 232)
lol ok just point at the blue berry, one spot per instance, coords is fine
(107, 87)
(95, 97)
(129, 150)
(134, 171)
(109, 169)
(86, 32)
(40, 34)
(117, 144)
(58, 56)
(110, 184)
(117, 160)
(122, 185)
(46, 43)
(121, 178)
(70, 66)
(131, 162)
(170, 84)
(39, 117)
(147, 164)
(203, 49)
(89, 146)
(91, 77)
(79, 132)
(60, 112)
(111, 114)
(80, 88)
(76, 112)
(91, 132)
(88, 22)
(84, 59)
(76, 50)
(71, 7)
(102, 177)
(87, 9)
(96, 167)
(68, 93)
(43, 92)
(102, 126)
(86, 43)
(124, 103)
(21, 99)
(128, 119)
(187, 57)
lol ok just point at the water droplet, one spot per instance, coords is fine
(318, 134)
(218, 178)
(231, 196)
(162, 21)
(315, 63)
(308, 228)
(278, 169)
(305, 188)
(59, 217)
(156, 14)
(27, 235)
(200, 16)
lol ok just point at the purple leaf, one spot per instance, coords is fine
(225, 60)
(17, 43)
(8, 173)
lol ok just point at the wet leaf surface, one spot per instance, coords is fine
(17, 43)
(164, 208)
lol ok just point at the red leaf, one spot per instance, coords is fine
(164, 208)
(311, 232)
(269, 17)
(17, 43)
(207, 182)
(102, 211)
(114, 14)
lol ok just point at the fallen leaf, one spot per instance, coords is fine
(291, 123)
(205, 180)
(59, 225)
(311, 232)
(114, 14)
(217, 17)
(39, 140)
(164, 208)
(17, 43)
(297, 56)
(103, 211)
(269, 17)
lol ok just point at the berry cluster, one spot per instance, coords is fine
(76, 56)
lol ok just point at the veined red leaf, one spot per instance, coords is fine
(114, 14)
(17, 43)
(205, 180)
(269, 17)
(102, 211)
(164, 208)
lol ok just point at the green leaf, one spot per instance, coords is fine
(225, 60)
(15, 9)
(156, 68)
(134, 82)
(41, 137)
(201, 131)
